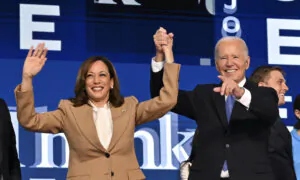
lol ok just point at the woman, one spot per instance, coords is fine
(98, 122)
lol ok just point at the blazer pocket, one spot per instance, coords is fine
(136, 174)
(261, 168)
(79, 177)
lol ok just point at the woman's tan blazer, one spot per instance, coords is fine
(88, 159)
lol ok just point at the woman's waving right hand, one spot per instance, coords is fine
(34, 61)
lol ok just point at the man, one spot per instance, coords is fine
(280, 143)
(230, 145)
(296, 137)
(9, 162)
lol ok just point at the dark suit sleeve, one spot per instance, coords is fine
(282, 165)
(264, 104)
(280, 152)
(14, 163)
(184, 104)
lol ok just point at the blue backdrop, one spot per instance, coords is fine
(122, 30)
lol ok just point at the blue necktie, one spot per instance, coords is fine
(229, 105)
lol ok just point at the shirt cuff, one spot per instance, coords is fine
(245, 99)
(157, 66)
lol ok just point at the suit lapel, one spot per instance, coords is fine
(84, 118)
(249, 85)
(119, 124)
(220, 106)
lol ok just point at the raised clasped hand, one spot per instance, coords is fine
(163, 41)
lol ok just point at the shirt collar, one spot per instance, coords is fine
(243, 82)
(95, 108)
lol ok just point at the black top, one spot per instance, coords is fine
(9, 162)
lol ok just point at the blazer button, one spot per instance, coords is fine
(112, 173)
(107, 155)
(227, 145)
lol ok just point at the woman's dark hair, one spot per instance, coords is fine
(81, 97)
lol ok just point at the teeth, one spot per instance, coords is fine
(97, 88)
(231, 70)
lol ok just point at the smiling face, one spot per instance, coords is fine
(232, 59)
(276, 81)
(98, 83)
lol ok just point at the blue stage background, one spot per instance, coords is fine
(122, 30)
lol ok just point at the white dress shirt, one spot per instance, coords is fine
(103, 123)
(244, 100)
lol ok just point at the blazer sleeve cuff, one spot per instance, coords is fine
(157, 66)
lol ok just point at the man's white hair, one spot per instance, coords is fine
(231, 38)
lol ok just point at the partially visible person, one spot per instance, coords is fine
(9, 161)
(186, 165)
(280, 143)
(99, 123)
(296, 137)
